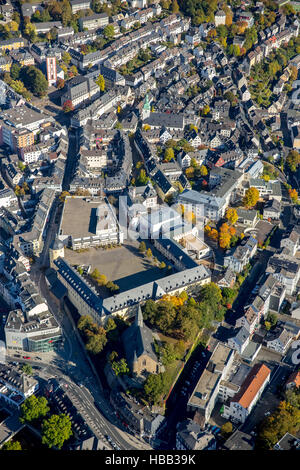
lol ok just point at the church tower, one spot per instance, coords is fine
(146, 108)
(56, 250)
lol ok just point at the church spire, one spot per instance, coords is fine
(139, 317)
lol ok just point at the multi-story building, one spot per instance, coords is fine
(88, 222)
(94, 21)
(240, 256)
(51, 70)
(206, 392)
(14, 43)
(19, 118)
(240, 406)
(190, 436)
(31, 333)
(88, 302)
(80, 89)
(15, 386)
(78, 5)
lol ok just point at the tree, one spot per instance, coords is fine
(214, 234)
(19, 191)
(272, 319)
(142, 178)
(30, 31)
(293, 160)
(66, 12)
(73, 71)
(224, 240)
(175, 6)
(68, 106)
(60, 83)
(142, 247)
(66, 57)
(205, 110)
(33, 408)
(86, 322)
(110, 325)
(268, 325)
(293, 75)
(12, 445)
(162, 265)
(251, 197)
(56, 430)
(169, 154)
(293, 195)
(231, 215)
(109, 32)
(149, 253)
(101, 82)
(153, 388)
(27, 369)
(96, 342)
(34, 80)
(203, 170)
(120, 367)
(211, 293)
(226, 429)
(15, 71)
(190, 172)
(63, 195)
(102, 280)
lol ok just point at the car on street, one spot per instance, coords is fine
(26, 357)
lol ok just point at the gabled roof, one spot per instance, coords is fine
(251, 385)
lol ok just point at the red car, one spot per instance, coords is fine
(26, 357)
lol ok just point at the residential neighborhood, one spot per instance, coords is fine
(149, 225)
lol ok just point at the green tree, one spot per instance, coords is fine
(272, 319)
(153, 388)
(211, 293)
(34, 80)
(268, 325)
(12, 445)
(66, 58)
(120, 367)
(33, 408)
(27, 369)
(96, 342)
(293, 160)
(149, 253)
(109, 32)
(15, 71)
(142, 179)
(162, 265)
(169, 154)
(56, 430)
(73, 70)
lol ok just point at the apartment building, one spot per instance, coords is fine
(240, 406)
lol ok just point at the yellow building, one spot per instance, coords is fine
(15, 43)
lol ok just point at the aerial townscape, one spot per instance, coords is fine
(149, 225)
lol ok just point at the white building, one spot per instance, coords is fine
(248, 395)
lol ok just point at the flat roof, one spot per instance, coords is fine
(79, 216)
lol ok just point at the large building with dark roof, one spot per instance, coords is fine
(139, 347)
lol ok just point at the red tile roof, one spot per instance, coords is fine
(251, 385)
